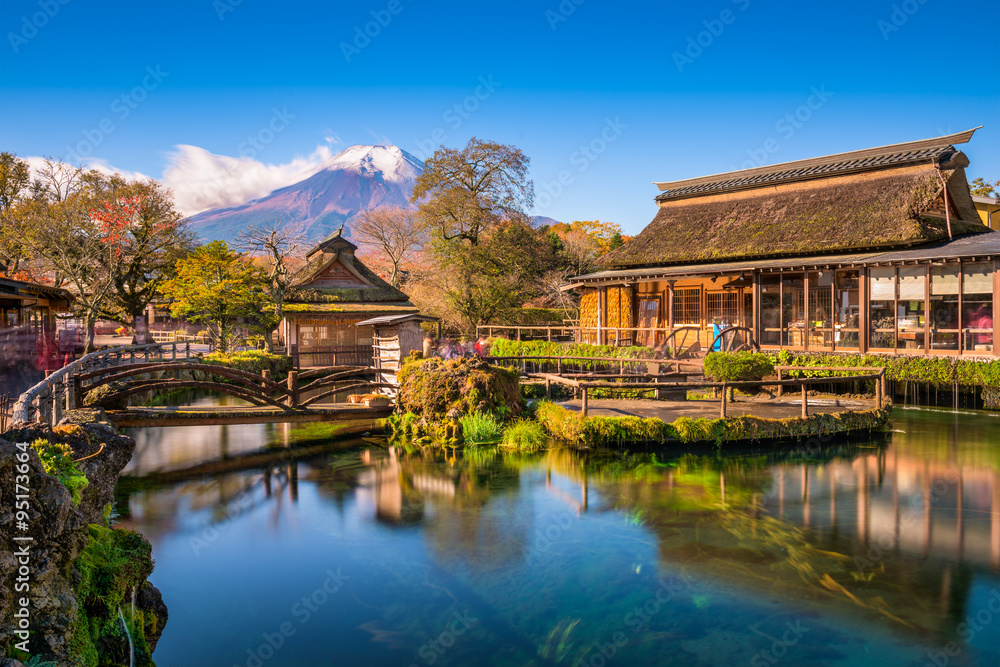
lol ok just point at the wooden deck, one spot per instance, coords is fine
(365, 417)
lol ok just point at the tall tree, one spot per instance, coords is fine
(60, 231)
(277, 245)
(220, 288)
(393, 233)
(462, 193)
(15, 178)
(144, 236)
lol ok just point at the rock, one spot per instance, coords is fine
(149, 600)
(60, 534)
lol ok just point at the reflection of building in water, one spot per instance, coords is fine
(903, 503)
(466, 511)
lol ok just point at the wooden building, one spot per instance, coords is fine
(393, 338)
(28, 328)
(334, 292)
(876, 250)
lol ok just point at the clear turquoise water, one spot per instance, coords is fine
(870, 552)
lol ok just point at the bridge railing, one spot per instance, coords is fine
(46, 401)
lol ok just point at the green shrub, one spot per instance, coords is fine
(57, 459)
(504, 347)
(481, 428)
(524, 435)
(738, 366)
(253, 361)
(935, 370)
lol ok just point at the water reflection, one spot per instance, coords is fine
(882, 548)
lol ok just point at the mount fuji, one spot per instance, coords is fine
(357, 179)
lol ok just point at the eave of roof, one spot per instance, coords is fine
(978, 246)
(923, 151)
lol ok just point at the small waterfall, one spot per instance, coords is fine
(131, 646)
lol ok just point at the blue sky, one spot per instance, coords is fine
(606, 96)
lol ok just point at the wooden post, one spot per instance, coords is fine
(187, 350)
(173, 351)
(621, 367)
(57, 405)
(548, 388)
(805, 401)
(266, 374)
(725, 399)
(548, 333)
(878, 393)
(70, 382)
(781, 387)
(885, 387)
(584, 411)
(293, 388)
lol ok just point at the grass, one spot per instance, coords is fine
(524, 435)
(481, 428)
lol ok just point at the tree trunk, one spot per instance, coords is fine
(91, 325)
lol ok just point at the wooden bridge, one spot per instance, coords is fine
(144, 368)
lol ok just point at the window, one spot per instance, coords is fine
(770, 310)
(944, 307)
(793, 312)
(977, 307)
(723, 306)
(848, 310)
(820, 322)
(910, 307)
(882, 304)
(687, 306)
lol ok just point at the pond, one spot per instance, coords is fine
(276, 546)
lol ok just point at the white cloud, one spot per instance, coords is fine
(37, 163)
(202, 180)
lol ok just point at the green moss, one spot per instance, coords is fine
(114, 564)
(57, 459)
(570, 426)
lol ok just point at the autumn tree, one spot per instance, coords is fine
(60, 231)
(394, 234)
(219, 288)
(980, 187)
(276, 245)
(144, 238)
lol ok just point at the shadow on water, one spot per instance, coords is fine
(864, 552)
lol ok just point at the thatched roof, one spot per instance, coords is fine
(364, 285)
(878, 210)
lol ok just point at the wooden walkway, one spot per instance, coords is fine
(211, 416)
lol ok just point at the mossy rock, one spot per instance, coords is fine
(433, 387)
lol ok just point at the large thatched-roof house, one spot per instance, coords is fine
(334, 291)
(879, 249)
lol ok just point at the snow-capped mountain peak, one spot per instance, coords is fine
(356, 179)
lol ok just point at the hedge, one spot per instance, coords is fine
(935, 370)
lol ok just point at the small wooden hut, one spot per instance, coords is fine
(334, 293)
(394, 337)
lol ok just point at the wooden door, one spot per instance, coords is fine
(649, 317)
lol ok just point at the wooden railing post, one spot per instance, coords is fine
(781, 387)
(548, 388)
(293, 388)
(584, 411)
(266, 374)
(805, 400)
(725, 402)
(70, 380)
(879, 394)
(187, 350)
(57, 405)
